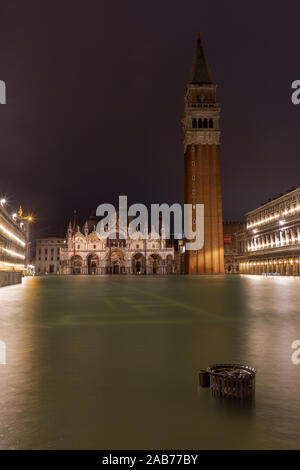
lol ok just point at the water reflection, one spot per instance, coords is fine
(112, 362)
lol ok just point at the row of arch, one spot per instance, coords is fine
(202, 123)
(116, 264)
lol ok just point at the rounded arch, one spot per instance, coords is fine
(92, 263)
(138, 263)
(115, 261)
(93, 239)
(115, 253)
(169, 264)
(76, 264)
(155, 263)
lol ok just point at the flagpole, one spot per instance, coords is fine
(74, 246)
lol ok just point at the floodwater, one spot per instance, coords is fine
(111, 362)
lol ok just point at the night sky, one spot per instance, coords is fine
(95, 100)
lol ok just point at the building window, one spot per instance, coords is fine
(200, 123)
(94, 247)
(205, 123)
(194, 124)
(193, 192)
(78, 247)
(211, 123)
(193, 163)
(193, 177)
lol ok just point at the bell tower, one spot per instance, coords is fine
(202, 173)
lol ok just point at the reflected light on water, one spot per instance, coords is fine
(112, 362)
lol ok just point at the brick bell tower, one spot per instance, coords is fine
(202, 174)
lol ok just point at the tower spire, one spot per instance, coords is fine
(200, 72)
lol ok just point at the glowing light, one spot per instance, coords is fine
(19, 266)
(11, 235)
(2, 201)
(13, 253)
(266, 220)
(29, 218)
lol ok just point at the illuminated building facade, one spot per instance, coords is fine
(270, 242)
(47, 255)
(202, 172)
(13, 247)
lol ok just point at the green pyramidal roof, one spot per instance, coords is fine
(200, 72)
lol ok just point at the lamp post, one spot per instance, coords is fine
(28, 219)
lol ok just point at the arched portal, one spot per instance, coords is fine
(92, 262)
(51, 268)
(155, 263)
(76, 264)
(115, 261)
(138, 263)
(169, 263)
(116, 267)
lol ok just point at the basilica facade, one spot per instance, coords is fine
(85, 253)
